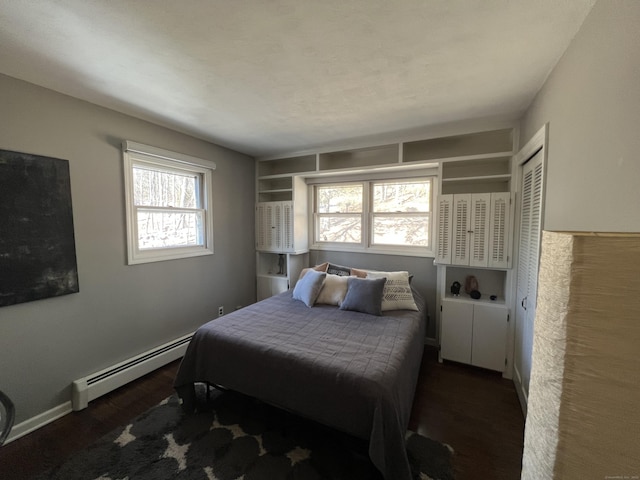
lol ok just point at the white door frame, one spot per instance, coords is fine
(537, 143)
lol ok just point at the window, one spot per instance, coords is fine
(339, 217)
(389, 215)
(168, 197)
(400, 213)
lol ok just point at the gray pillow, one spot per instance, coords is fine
(308, 287)
(364, 295)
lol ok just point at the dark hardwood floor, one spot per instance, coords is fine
(476, 412)
(473, 410)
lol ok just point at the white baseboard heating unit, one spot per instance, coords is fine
(93, 386)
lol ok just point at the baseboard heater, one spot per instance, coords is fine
(93, 386)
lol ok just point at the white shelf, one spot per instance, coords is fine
(277, 190)
(463, 297)
(480, 178)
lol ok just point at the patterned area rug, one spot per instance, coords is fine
(233, 437)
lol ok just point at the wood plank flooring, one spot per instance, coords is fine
(473, 410)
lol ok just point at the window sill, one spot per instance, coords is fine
(406, 252)
(167, 254)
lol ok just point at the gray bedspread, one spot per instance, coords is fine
(351, 371)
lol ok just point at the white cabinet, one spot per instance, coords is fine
(473, 229)
(274, 226)
(474, 333)
(279, 228)
(267, 286)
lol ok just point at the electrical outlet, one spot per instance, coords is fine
(220, 311)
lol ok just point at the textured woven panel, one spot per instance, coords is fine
(583, 417)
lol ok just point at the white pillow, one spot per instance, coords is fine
(333, 290)
(397, 293)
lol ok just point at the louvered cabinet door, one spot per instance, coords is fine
(277, 231)
(461, 229)
(274, 227)
(479, 238)
(286, 223)
(264, 224)
(445, 227)
(499, 230)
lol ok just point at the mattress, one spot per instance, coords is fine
(348, 370)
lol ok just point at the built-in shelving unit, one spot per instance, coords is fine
(475, 172)
(451, 147)
(467, 163)
(482, 174)
(277, 272)
(283, 166)
(360, 158)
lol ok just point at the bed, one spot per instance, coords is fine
(346, 369)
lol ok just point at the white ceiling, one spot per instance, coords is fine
(271, 76)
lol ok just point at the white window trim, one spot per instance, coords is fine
(137, 153)
(367, 218)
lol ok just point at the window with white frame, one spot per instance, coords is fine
(380, 215)
(169, 207)
(339, 212)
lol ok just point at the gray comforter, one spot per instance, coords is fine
(351, 371)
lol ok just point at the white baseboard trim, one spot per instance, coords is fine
(23, 428)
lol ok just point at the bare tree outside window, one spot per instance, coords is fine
(397, 213)
(401, 213)
(167, 205)
(339, 210)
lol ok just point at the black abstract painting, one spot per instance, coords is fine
(37, 246)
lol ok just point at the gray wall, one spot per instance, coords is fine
(423, 271)
(591, 101)
(120, 310)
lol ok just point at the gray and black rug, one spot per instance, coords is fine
(234, 437)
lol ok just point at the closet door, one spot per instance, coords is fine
(528, 259)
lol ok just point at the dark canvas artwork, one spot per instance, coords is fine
(37, 246)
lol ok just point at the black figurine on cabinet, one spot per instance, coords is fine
(455, 288)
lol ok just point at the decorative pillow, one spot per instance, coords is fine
(339, 270)
(333, 290)
(364, 295)
(319, 268)
(356, 272)
(308, 287)
(397, 293)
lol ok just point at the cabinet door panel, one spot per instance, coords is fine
(461, 229)
(268, 286)
(263, 288)
(274, 227)
(445, 226)
(499, 238)
(456, 331)
(279, 285)
(489, 337)
(287, 227)
(480, 207)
